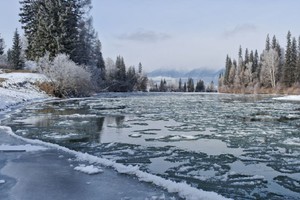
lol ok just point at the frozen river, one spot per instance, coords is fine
(241, 147)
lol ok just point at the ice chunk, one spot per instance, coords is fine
(89, 169)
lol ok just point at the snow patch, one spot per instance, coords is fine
(2, 181)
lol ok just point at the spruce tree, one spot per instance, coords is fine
(293, 66)
(180, 85)
(2, 46)
(298, 63)
(287, 73)
(228, 65)
(274, 42)
(267, 48)
(140, 68)
(190, 85)
(246, 56)
(16, 57)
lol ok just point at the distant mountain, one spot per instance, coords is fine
(206, 75)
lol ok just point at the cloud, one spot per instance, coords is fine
(144, 36)
(242, 28)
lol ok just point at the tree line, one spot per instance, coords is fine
(275, 70)
(188, 86)
(59, 34)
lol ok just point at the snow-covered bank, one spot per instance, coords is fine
(182, 189)
(289, 98)
(17, 88)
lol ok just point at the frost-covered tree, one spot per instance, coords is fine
(211, 87)
(269, 68)
(110, 69)
(67, 78)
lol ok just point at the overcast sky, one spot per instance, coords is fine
(181, 34)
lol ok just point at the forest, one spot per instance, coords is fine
(275, 70)
(60, 41)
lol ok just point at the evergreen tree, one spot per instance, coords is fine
(184, 87)
(131, 78)
(267, 48)
(228, 65)
(190, 85)
(246, 56)
(294, 61)
(287, 73)
(100, 65)
(274, 42)
(121, 69)
(140, 68)
(60, 26)
(2, 46)
(16, 58)
(180, 85)
(298, 63)
(200, 87)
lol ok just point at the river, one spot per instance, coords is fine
(239, 146)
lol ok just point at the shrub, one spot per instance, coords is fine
(67, 78)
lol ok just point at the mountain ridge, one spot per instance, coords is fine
(206, 75)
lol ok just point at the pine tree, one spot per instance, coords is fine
(200, 87)
(59, 26)
(246, 56)
(2, 46)
(294, 61)
(99, 61)
(180, 85)
(140, 68)
(131, 78)
(121, 69)
(184, 87)
(267, 48)
(274, 42)
(227, 70)
(190, 85)
(287, 73)
(298, 63)
(16, 58)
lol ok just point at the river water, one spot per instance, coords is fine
(239, 146)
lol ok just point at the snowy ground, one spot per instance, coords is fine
(17, 88)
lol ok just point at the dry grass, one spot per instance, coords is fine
(2, 80)
(46, 87)
(17, 71)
